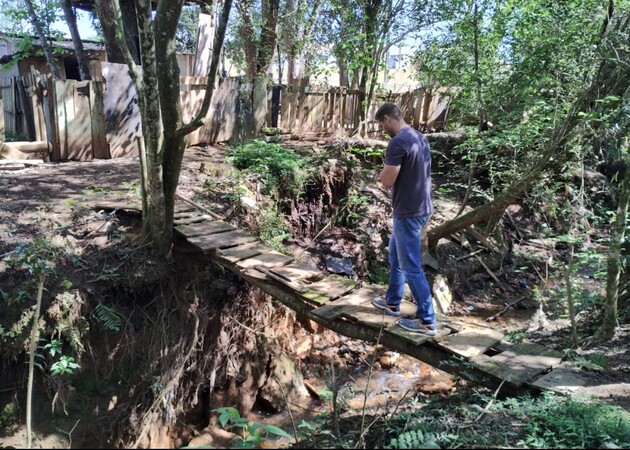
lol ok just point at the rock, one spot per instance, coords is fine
(339, 265)
(284, 371)
(249, 202)
(442, 296)
(388, 360)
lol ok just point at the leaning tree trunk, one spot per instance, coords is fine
(609, 323)
(48, 51)
(610, 79)
(71, 20)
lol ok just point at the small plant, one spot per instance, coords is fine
(253, 434)
(272, 229)
(413, 439)
(65, 365)
(107, 317)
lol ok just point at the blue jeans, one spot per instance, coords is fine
(405, 252)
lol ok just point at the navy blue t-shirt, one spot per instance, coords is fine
(411, 193)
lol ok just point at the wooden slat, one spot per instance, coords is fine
(270, 259)
(563, 379)
(242, 252)
(204, 228)
(520, 363)
(374, 317)
(349, 302)
(194, 218)
(471, 341)
(295, 286)
(299, 272)
(222, 240)
(328, 289)
(417, 338)
(182, 207)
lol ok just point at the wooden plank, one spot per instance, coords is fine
(182, 207)
(97, 108)
(204, 228)
(295, 286)
(349, 302)
(242, 252)
(370, 315)
(222, 240)
(193, 219)
(328, 289)
(562, 379)
(62, 123)
(80, 145)
(471, 341)
(270, 259)
(298, 272)
(520, 363)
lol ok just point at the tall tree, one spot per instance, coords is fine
(71, 20)
(158, 97)
(258, 33)
(43, 37)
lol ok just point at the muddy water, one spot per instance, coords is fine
(394, 378)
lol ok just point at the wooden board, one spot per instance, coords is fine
(348, 302)
(204, 228)
(242, 252)
(183, 207)
(563, 379)
(294, 272)
(520, 363)
(222, 240)
(372, 316)
(415, 338)
(270, 259)
(471, 341)
(193, 219)
(328, 289)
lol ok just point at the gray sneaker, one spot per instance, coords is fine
(416, 326)
(380, 303)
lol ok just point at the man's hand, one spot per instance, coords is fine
(388, 176)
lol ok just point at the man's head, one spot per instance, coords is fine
(390, 117)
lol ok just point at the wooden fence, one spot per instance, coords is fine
(84, 120)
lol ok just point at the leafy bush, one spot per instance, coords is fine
(282, 171)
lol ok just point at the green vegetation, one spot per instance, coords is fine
(282, 172)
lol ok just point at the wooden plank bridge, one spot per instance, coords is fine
(474, 352)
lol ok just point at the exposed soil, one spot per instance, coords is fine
(56, 202)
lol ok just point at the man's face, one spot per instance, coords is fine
(386, 124)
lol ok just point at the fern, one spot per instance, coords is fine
(108, 317)
(413, 439)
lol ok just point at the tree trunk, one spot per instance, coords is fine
(71, 20)
(48, 51)
(247, 33)
(106, 12)
(268, 35)
(130, 24)
(174, 143)
(609, 323)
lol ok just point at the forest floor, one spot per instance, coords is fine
(55, 202)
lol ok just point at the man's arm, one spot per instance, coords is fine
(388, 175)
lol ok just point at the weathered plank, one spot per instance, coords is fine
(471, 341)
(299, 272)
(242, 252)
(348, 302)
(270, 259)
(204, 228)
(222, 240)
(563, 379)
(295, 286)
(193, 219)
(182, 207)
(370, 315)
(520, 363)
(328, 289)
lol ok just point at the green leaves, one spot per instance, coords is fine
(253, 433)
(65, 365)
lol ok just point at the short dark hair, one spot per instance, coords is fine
(388, 109)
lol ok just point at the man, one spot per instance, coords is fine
(408, 172)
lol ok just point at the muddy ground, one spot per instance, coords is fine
(56, 202)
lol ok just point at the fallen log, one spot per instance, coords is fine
(25, 150)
